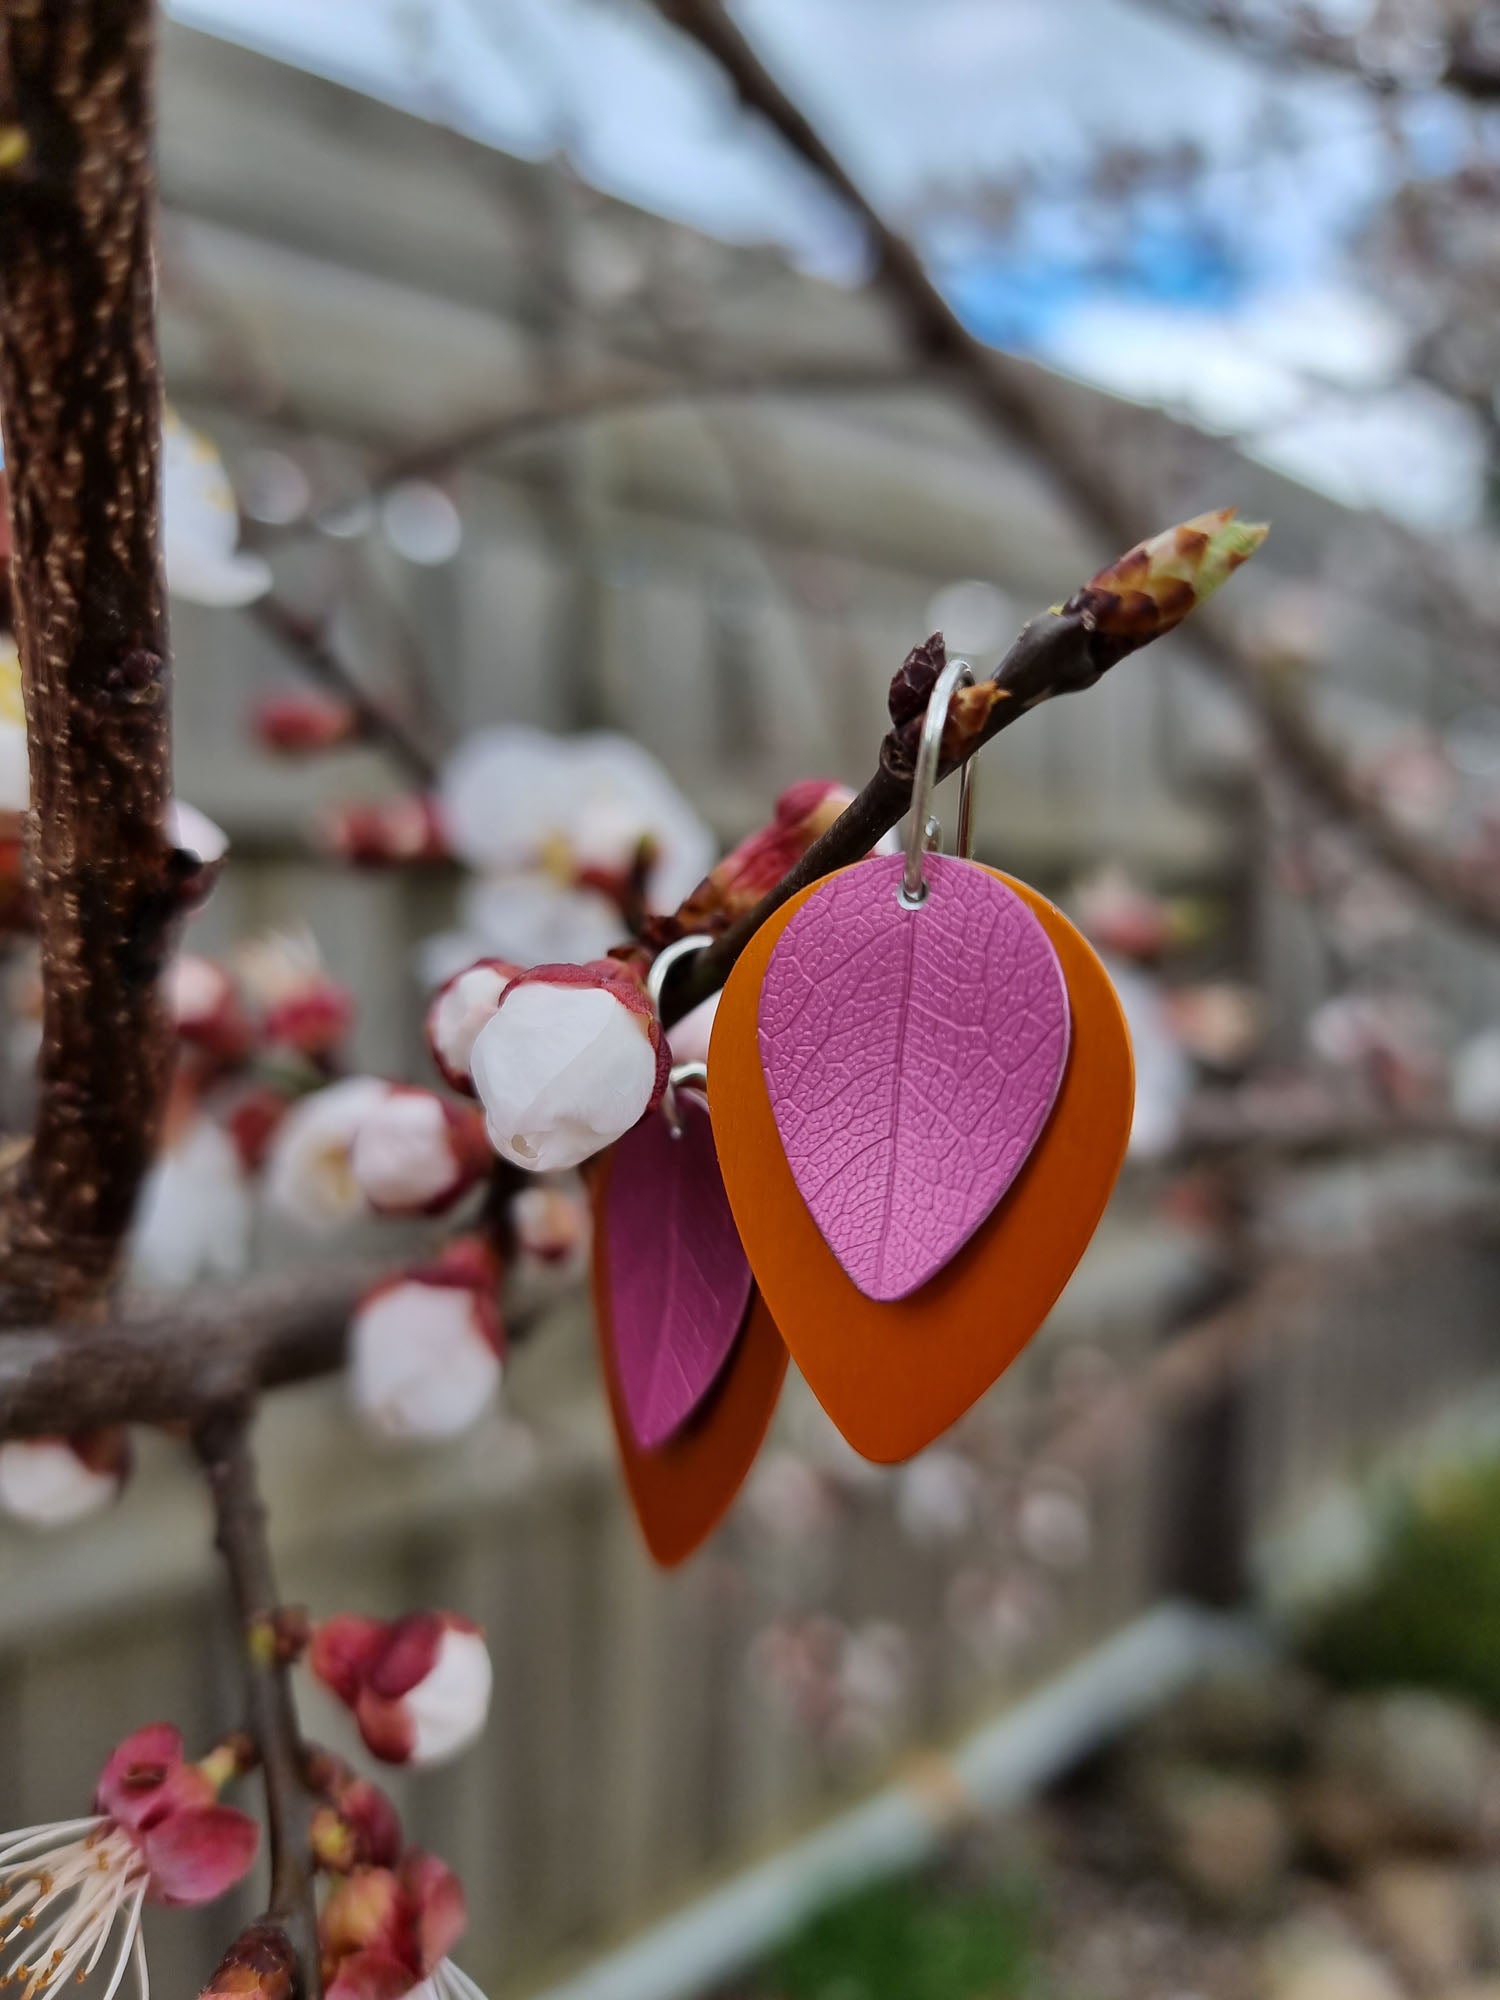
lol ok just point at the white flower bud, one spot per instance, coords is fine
(419, 1687)
(572, 1059)
(46, 1483)
(194, 833)
(460, 1008)
(414, 1154)
(449, 1706)
(424, 1359)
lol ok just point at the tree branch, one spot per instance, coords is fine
(1466, 67)
(224, 1445)
(1005, 392)
(81, 394)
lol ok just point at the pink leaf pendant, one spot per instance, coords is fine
(912, 1058)
(679, 1281)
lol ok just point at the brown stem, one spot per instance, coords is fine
(224, 1445)
(81, 395)
(1006, 393)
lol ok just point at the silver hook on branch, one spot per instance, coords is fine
(681, 1073)
(924, 831)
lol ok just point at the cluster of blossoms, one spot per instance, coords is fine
(581, 860)
(73, 1894)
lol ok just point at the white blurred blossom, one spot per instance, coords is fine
(517, 798)
(195, 1212)
(201, 523)
(310, 1177)
(15, 775)
(1163, 1073)
(47, 1483)
(424, 1359)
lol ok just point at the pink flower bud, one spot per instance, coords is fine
(204, 1006)
(415, 1155)
(309, 1178)
(298, 724)
(419, 1687)
(356, 1826)
(573, 1057)
(252, 1121)
(388, 833)
(803, 812)
(387, 1931)
(50, 1482)
(426, 1349)
(313, 1021)
(459, 1009)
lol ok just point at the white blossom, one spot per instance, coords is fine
(45, 1483)
(194, 1216)
(309, 1173)
(458, 1010)
(195, 833)
(409, 1153)
(563, 1071)
(200, 523)
(517, 798)
(423, 1361)
(1163, 1073)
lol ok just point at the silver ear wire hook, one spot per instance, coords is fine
(924, 833)
(688, 1072)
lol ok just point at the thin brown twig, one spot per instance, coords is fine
(307, 641)
(1011, 396)
(226, 1450)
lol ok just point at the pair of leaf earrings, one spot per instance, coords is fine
(921, 1095)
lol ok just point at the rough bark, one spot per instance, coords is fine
(81, 396)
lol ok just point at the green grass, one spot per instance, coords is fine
(1429, 1614)
(910, 1941)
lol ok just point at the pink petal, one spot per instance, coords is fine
(442, 1913)
(342, 1651)
(132, 1783)
(386, 1726)
(370, 1975)
(408, 1655)
(195, 1856)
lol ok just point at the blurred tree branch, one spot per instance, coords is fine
(1456, 57)
(1007, 393)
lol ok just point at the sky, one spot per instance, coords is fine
(1252, 274)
